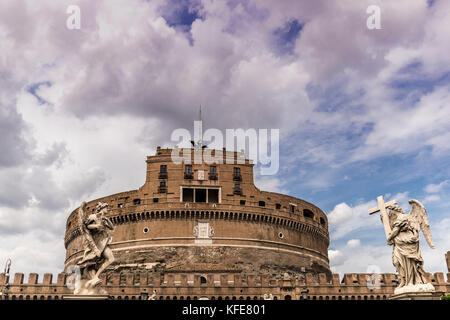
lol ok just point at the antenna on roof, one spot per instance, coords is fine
(198, 132)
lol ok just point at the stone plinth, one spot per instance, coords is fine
(86, 297)
(417, 296)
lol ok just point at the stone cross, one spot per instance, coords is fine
(384, 216)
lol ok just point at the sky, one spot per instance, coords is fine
(361, 112)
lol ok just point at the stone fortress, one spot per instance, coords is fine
(205, 231)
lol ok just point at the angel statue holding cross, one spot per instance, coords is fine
(402, 232)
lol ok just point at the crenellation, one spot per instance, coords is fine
(321, 290)
(18, 279)
(47, 280)
(335, 280)
(61, 279)
(33, 278)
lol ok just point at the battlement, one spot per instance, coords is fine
(129, 285)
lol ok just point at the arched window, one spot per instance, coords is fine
(203, 280)
(322, 221)
(308, 214)
(287, 297)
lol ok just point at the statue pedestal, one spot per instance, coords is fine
(86, 297)
(417, 296)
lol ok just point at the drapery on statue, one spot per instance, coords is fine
(404, 238)
(97, 230)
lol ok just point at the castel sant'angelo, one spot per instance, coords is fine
(205, 231)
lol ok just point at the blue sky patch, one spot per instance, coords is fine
(180, 14)
(35, 87)
(287, 35)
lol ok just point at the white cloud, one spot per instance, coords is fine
(353, 243)
(435, 188)
(270, 183)
(344, 219)
(336, 257)
(432, 198)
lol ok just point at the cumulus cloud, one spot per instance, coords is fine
(336, 257)
(353, 243)
(270, 183)
(434, 188)
(344, 219)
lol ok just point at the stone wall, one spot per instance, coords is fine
(217, 286)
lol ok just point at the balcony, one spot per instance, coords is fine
(162, 189)
(237, 177)
(237, 191)
(188, 175)
(212, 176)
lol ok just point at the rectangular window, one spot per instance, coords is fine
(200, 195)
(212, 173)
(162, 184)
(188, 169)
(155, 200)
(236, 171)
(136, 202)
(242, 202)
(292, 208)
(237, 189)
(277, 206)
(188, 195)
(261, 203)
(163, 168)
(213, 195)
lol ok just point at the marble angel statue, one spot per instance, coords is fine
(97, 230)
(406, 255)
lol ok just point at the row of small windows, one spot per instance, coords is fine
(200, 195)
(188, 173)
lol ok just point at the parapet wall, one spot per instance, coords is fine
(129, 285)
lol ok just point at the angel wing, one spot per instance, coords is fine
(419, 217)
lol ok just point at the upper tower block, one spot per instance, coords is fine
(198, 175)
